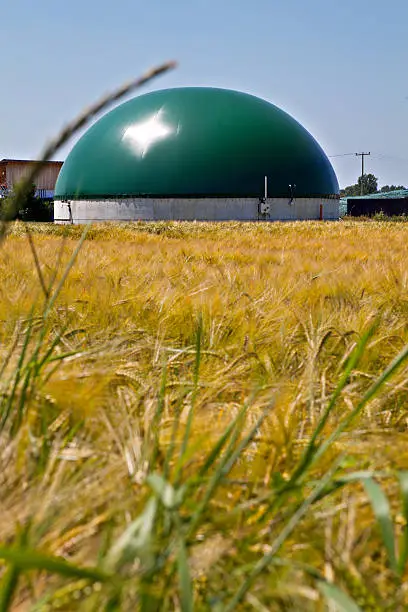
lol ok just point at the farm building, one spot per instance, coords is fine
(12, 171)
(196, 153)
(389, 203)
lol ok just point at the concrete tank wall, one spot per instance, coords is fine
(195, 209)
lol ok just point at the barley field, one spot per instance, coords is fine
(202, 416)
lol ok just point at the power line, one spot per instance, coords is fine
(362, 155)
(380, 156)
(341, 155)
(385, 157)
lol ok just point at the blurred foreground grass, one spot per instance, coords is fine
(166, 418)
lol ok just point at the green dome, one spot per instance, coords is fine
(195, 142)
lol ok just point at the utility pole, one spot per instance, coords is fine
(362, 155)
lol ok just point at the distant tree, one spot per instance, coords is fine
(30, 209)
(387, 188)
(369, 185)
(30, 204)
(369, 182)
(35, 209)
(351, 190)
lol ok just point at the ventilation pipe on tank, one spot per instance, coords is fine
(264, 207)
(292, 189)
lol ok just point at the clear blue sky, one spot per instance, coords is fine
(338, 66)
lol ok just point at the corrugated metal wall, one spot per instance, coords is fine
(16, 171)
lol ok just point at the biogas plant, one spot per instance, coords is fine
(196, 153)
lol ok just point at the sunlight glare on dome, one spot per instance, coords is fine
(141, 136)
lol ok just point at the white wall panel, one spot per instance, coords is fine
(199, 209)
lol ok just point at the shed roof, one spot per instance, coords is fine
(386, 195)
(27, 161)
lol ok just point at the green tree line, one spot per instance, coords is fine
(366, 184)
(33, 208)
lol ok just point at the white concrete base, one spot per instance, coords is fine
(195, 209)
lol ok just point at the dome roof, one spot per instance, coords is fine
(195, 141)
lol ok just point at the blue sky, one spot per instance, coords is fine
(338, 66)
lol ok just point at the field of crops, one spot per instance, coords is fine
(204, 416)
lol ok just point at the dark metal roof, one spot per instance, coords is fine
(196, 141)
(26, 161)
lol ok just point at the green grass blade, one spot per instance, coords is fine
(338, 597)
(10, 580)
(370, 393)
(47, 357)
(308, 456)
(163, 490)
(29, 559)
(17, 375)
(235, 425)
(403, 557)
(341, 482)
(58, 260)
(244, 443)
(185, 583)
(18, 418)
(36, 261)
(33, 366)
(215, 452)
(282, 537)
(384, 377)
(13, 346)
(135, 541)
(8, 587)
(225, 465)
(50, 303)
(174, 430)
(60, 357)
(382, 512)
(158, 417)
(197, 363)
(190, 417)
